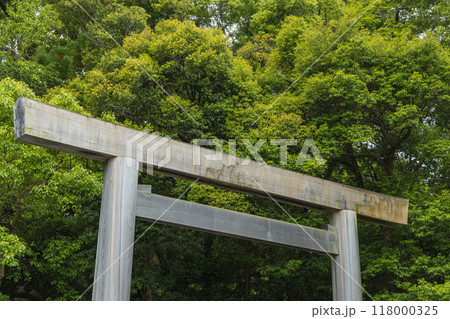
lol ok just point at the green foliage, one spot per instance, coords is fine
(46, 202)
(29, 24)
(11, 248)
(272, 12)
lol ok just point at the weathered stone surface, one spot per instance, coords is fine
(345, 267)
(48, 126)
(170, 211)
(113, 264)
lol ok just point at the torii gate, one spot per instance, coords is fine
(122, 201)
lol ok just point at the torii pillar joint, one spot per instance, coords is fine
(345, 266)
(112, 279)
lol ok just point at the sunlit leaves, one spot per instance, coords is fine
(11, 248)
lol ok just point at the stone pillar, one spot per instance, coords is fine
(112, 279)
(346, 270)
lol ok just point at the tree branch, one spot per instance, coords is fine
(11, 51)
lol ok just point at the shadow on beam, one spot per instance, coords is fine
(151, 207)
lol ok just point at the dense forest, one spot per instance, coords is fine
(367, 81)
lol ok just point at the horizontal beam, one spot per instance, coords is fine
(44, 125)
(170, 211)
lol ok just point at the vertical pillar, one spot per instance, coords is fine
(346, 270)
(112, 278)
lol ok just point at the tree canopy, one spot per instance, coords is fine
(370, 85)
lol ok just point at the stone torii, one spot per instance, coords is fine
(123, 201)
